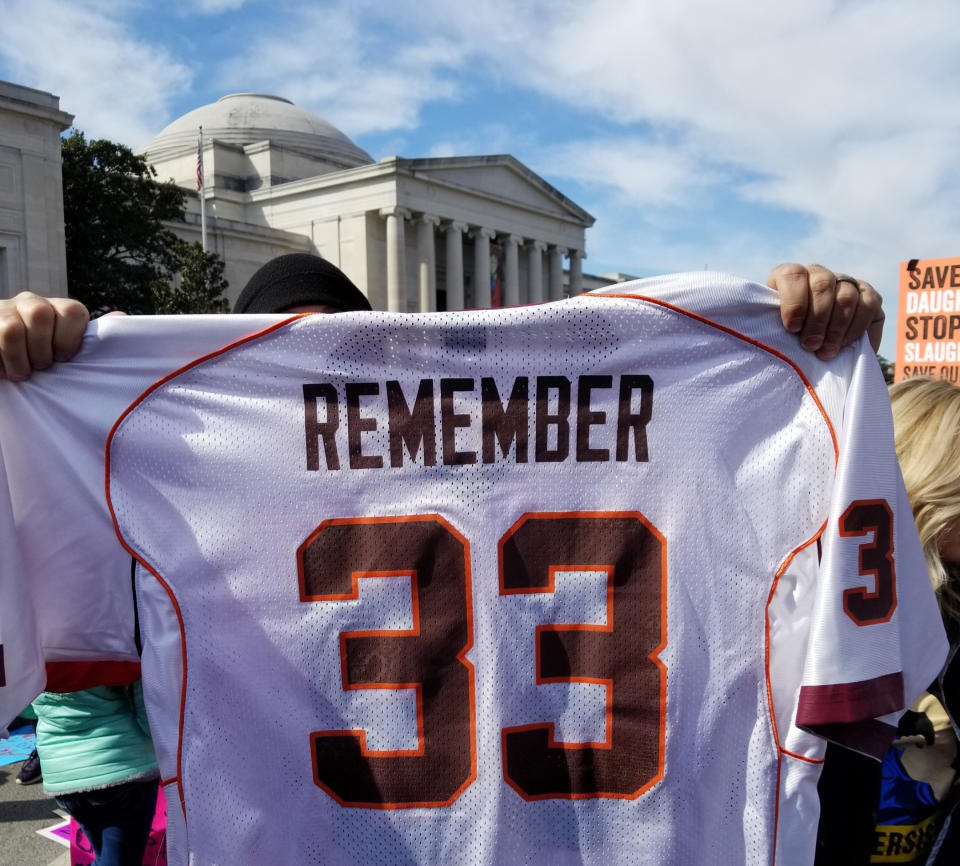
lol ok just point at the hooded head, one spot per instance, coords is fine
(299, 280)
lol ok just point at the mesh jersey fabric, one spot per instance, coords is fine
(65, 582)
(613, 650)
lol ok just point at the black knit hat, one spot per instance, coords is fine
(298, 279)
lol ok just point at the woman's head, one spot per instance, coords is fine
(926, 419)
(300, 282)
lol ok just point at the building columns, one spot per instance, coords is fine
(481, 267)
(396, 258)
(427, 263)
(576, 272)
(511, 271)
(455, 230)
(535, 271)
(556, 273)
(545, 278)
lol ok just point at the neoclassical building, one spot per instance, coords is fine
(32, 251)
(413, 234)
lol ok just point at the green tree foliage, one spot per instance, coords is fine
(199, 286)
(120, 255)
(887, 367)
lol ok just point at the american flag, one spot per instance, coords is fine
(200, 162)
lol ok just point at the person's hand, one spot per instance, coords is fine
(827, 310)
(36, 331)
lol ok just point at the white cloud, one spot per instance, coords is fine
(327, 60)
(117, 85)
(635, 171)
(840, 111)
(485, 138)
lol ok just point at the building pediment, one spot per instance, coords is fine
(500, 176)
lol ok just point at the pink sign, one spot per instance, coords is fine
(81, 854)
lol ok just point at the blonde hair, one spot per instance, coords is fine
(926, 420)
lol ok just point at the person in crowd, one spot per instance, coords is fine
(30, 770)
(300, 283)
(918, 785)
(99, 764)
(901, 811)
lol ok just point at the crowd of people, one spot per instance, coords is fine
(94, 745)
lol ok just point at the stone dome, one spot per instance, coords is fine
(244, 118)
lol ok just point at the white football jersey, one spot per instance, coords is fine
(586, 582)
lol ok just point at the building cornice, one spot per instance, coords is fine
(37, 104)
(400, 167)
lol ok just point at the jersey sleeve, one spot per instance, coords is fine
(872, 640)
(21, 660)
(876, 639)
(66, 596)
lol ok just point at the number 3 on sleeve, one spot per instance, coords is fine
(871, 517)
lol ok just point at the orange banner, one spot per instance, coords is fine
(928, 325)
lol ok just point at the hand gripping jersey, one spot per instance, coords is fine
(578, 583)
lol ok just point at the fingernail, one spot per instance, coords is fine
(794, 325)
(812, 343)
(827, 352)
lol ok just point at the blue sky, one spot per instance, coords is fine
(731, 135)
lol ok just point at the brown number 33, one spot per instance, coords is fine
(430, 658)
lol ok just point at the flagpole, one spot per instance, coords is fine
(201, 188)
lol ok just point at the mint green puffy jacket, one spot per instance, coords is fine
(93, 739)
